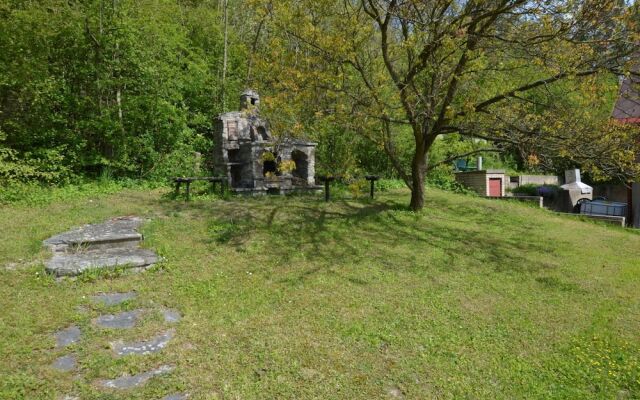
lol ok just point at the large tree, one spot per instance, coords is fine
(469, 67)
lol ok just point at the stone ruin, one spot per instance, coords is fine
(253, 161)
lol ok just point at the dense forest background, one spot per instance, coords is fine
(124, 88)
(130, 88)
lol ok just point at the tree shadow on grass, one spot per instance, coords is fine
(384, 233)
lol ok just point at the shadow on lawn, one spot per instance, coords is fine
(381, 233)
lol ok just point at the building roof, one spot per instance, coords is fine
(627, 108)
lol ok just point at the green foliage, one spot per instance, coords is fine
(529, 189)
(442, 177)
(34, 194)
(385, 185)
(183, 160)
(606, 364)
(127, 86)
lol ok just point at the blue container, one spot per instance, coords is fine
(602, 207)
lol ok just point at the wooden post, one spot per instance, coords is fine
(327, 194)
(372, 179)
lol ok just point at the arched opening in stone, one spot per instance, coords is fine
(262, 131)
(270, 167)
(302, 165)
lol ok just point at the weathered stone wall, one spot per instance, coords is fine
(242, 137)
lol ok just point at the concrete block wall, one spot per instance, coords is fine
(478, 181)
(538, 180)
(474, 180)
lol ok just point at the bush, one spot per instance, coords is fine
(442, 177)
(43, 165)
(31, 194)
(182, 161)
(384, 185)
(535, 190)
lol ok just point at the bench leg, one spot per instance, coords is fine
(188, 190)
(327, 194)
(177, 189)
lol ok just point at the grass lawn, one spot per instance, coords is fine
(292, 298)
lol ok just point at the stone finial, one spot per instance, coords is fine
(249, 99)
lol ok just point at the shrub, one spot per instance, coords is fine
(535, 190)
(442, 177)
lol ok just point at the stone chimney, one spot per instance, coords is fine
(572, 176)
(249, 99)
(574, 182)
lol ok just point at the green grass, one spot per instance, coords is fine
(292, 298)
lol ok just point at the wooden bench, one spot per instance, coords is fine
(187, 180)
(328, 179)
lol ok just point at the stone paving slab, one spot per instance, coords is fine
(117, 231)
(65, 363)
(145, 347)
(72, 264)
(132, 381)
(123, 320)
(112, 299)
(67, 336)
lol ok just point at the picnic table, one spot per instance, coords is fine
(214, 180)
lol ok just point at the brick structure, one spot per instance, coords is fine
(251, 158)
(490, 182)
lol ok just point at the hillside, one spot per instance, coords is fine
(293, 298)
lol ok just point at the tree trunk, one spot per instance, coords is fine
(224, 57)
(418, 168)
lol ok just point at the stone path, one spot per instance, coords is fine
(123, 320)
(68, 336)
(129, 382)
(153, 345)
(115, 322)
(114, 243)
(65, 363)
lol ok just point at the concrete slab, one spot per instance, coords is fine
(72, 264)
(123, 320)
(118, 232)
(112, 299)
(144, 347)
(130, 382)
(67, 336)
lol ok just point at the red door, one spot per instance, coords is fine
(495, 187)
